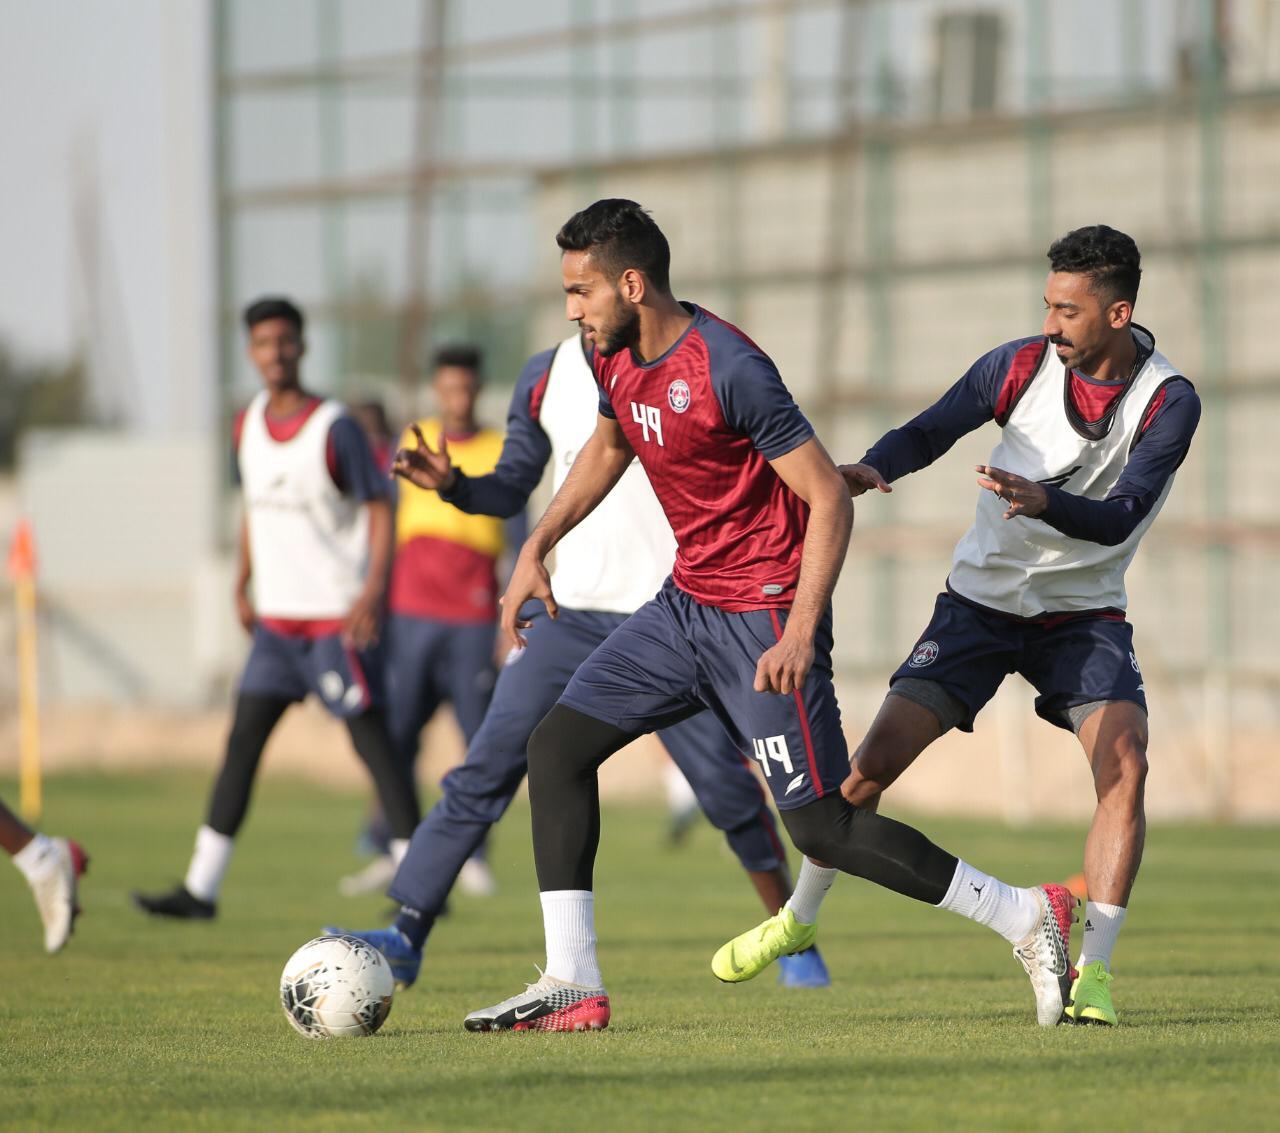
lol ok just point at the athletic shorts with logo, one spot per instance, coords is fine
(969, 651)
(347, 681)
(478, 791)
(674, 656)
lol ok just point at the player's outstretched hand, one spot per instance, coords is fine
(424, 466)
(861, 478)
(783, 667)
(1024, 497)
(529, 579)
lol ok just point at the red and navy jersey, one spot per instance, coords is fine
(352, 465)
(705, 419)
(988, 392)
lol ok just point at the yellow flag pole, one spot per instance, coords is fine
(22, 569)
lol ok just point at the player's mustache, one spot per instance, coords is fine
(1058, 340)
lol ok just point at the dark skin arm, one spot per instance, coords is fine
(364, 620)
(809, 472)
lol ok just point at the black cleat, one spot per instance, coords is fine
(178, 904)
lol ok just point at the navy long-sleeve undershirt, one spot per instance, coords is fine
(971, 402)
(505, 491)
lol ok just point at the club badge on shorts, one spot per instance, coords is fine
(678, 395)
(926, 654)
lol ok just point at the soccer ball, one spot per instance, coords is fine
(336, 987)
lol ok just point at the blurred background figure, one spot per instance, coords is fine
(315, 551)
(441, 628)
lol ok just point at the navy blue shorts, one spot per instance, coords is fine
(674, 656)
(430, 662)
(969, 651)
(348, 682)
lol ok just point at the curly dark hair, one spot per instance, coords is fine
(620, 235)
(1109, 258)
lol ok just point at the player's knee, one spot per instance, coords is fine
(818, 829)
(861, 789)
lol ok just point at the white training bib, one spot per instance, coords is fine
(616, 559)
(308, 543)
(1023, 566)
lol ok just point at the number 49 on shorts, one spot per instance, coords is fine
(773, 748)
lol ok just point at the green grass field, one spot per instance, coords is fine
(929, 1024)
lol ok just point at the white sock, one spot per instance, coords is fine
(569, 921)
(1010, 911)
(1102, 924)
(208, 864)
(811, 888)
(35, 857)
(399, 847)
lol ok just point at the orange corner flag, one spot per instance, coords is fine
(22, 552)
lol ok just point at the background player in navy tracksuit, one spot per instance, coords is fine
(762, 519)
(1095, 424)
(610, 565)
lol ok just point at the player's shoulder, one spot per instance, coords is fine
(1017, 351)
(733, 358)
(730, 343)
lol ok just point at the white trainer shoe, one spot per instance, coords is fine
(1044, 954)
(54, 883)
(548, 1005)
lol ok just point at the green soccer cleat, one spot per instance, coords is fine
(746, 956)
(1091, 996)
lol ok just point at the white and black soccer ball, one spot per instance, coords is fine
(336, 987)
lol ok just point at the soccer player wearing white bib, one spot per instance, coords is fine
(1095, 423)
(315, 543)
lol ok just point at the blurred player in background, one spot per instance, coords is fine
(606, 568)
(442, 625)
(52, 867)
(742, 626)
(1095, 423)
(315, 543)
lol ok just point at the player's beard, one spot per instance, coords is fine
(624, 331)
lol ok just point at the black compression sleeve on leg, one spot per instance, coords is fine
(255, 717)
(869, 845)
(565, 751)
(397, 792)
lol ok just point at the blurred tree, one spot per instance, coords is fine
(33, 394)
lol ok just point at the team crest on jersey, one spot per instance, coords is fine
(926, 654)
(678, 395)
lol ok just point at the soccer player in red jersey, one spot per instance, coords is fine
(762, 520)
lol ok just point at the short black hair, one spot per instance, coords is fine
(272, 307)
(620, 235)
(1109, 258)
(461, 355)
